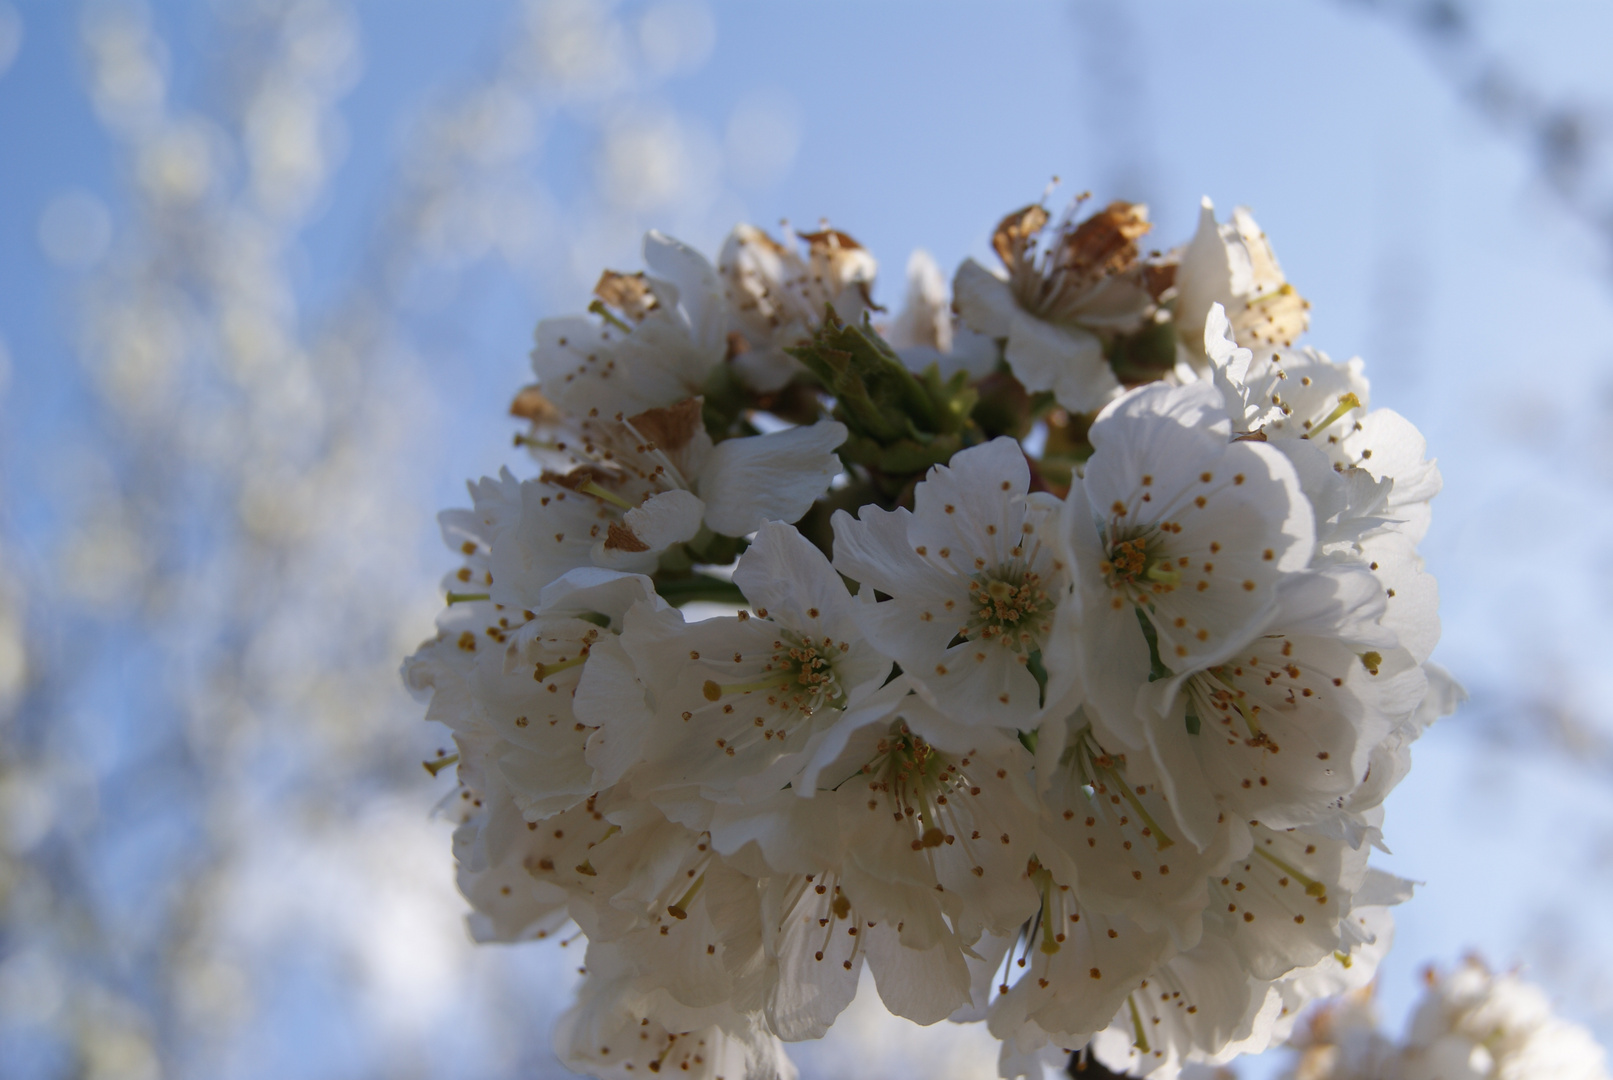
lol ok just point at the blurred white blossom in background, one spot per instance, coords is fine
(218, 858)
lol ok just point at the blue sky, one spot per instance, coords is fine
(1423, 239)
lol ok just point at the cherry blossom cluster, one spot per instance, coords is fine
(1075, 632)
(1472, 1024)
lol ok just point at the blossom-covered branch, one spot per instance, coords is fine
(1083, 635)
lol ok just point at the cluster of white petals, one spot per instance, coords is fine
(1472, 1024)
(1076, 632)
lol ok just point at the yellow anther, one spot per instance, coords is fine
(1128, 559)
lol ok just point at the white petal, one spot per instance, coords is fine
(926, 316)
(610, 697)
(984, 301)
(1195, 405)
(772, 477)
(668, 518)
(873, 550)
(785, 574)
(1203, 278)
(972, 508)
(1411, 594)
(699, 289)
(922, 985)
(1064, 359)
(594, 589)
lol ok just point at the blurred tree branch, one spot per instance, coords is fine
(1570, 142)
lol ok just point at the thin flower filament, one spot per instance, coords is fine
(1100, 772)
(592, 488)
(1217, 693)
(1346, 403)
(800, 677)
(1312, 886)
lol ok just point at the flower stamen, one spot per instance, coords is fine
(1346, 403)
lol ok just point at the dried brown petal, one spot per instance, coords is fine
(670, 428)
(627, 293)
(530, 404)
(621, 538)
(1159, 276)
(1105, 243)
(830, 240)
(575, 479)
(1014, 232)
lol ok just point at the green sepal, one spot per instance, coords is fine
(1038, 670)
(725, 400)
(1157, 669)
(1145, 355)
(899, 424)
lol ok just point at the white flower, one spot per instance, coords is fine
(1473, 1023)
(914, 843)
(1341, 1041)
(614, 368)
(1179, 542)
(1081, 966)
(1186, 1014)
(936, 803)
(741, 703)
(813, 960)
(500, 854)
(927, 332)
(442, 671)
(526, 695)
(699, 943)
(1348, 972)
(1191, 1006)
(622, 491)
(1281, 906)
(1110, 833)
(1293, 393)
(1390, 760)
(1306, 404)
(1233, 265)
(973, 573)
(778, 298)
(1055, 303)
(1284, 730)
(618, 1031)
(1119, 895)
